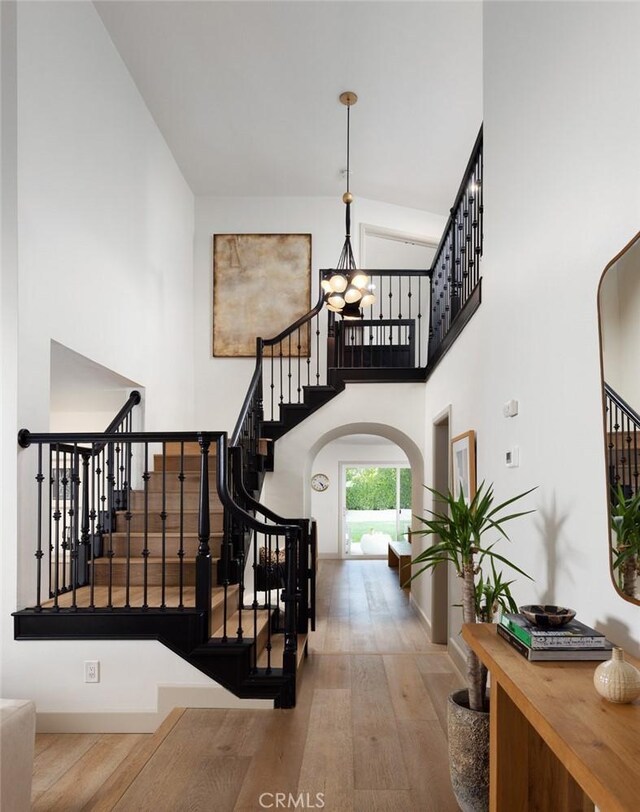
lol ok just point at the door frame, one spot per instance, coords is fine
(342, 506)
(441, 468)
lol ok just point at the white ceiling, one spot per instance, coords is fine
(246, 93)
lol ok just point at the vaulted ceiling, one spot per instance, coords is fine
(246, 93)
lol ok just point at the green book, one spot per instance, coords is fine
(572, 635)
(547, 655)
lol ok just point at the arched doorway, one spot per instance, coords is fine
(363, 490)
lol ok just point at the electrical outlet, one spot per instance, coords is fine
(92, 671)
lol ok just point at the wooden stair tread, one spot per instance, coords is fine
(191, 449)
(277, 650)
(155, 511)
(172, 596)
(173, 534)
(170, 558)
(233, 620)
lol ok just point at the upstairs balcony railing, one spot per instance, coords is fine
(455, 272)
(415, 319)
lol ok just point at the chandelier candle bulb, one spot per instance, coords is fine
(338, 283)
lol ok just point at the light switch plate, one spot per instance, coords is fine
(512, 457)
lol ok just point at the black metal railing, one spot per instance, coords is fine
(265, 560)
(159, 552)
(455, 272)
(623, 444)
(414, 319)
(291, 361)
(393, 332)
(70, 505)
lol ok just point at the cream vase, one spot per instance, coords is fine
(616, 680)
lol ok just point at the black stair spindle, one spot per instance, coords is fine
(203, 558)
(39, 553)
(84, 551)
(51, 503)
(66, 481)
(289, 369)
(127, 517)
(163, 519)
(299, 351)
(93, 531)
(317, 350)
(73, 518)
(57, 537)
(181, 547)
(272, 387)
(112, 518)
(146, 476)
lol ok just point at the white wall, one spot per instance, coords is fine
(105, 246)
(562, 197)
(326, 506)
(106, 219)
(221, 383)
(8, 322)
(393, 411)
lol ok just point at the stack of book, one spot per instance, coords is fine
(573, 641)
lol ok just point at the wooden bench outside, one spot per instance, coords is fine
(399, 556)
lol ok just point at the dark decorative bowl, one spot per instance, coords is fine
(547, 616)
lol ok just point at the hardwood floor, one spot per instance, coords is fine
(367, 734)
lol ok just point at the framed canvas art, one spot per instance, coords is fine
(463, 465)
(261, 285)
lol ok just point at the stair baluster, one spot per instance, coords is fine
(203, 559)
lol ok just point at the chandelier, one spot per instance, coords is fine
(346, 289)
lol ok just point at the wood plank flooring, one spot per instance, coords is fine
(367, 735)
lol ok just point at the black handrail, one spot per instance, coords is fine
(293, 327)
(133, 400)
(630, 411)
(455, 270)
(477, 146)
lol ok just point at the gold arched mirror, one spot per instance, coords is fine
(619, 314)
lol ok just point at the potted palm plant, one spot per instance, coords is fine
(625, 521)
(459, 528)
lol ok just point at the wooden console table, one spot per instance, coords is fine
(556, 746)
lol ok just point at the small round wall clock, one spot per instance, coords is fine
(320, 482)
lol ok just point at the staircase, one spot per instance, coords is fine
(161, 529)
(291, 414)
(137, 536)
(167, 562)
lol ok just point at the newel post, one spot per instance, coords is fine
(203, 559)
(290, 598)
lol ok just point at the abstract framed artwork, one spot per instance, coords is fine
(261, 285)
(463, 465)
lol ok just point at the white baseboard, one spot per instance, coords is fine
(424, 620)
(454, 648)
(168, 698)
(458, 654)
